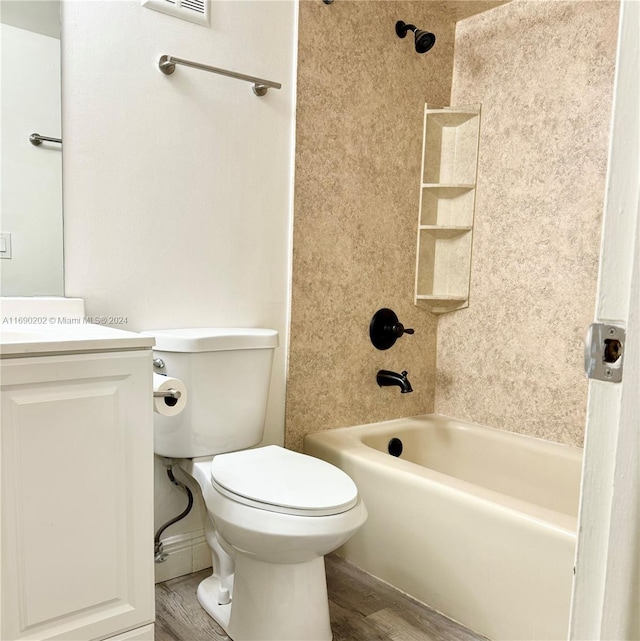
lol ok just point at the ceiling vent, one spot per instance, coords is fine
(197, 11)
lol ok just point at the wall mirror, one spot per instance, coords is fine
(31, 244)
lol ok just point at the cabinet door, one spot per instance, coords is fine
(76, 457)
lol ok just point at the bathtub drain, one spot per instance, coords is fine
(395, 447)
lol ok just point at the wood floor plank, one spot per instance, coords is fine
(360, 591)
(347, 627)
(396, 628)
(362, 608)
(365, 595)
(436, 626)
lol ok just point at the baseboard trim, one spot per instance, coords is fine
(186, 553)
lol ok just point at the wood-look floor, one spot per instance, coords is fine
(362, 608)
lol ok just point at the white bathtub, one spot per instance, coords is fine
(477, 523)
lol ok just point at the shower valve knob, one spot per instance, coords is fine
(385, 329)
(399, 329)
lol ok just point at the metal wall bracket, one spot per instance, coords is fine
(604, 352)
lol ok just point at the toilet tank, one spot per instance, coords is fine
(227, 372)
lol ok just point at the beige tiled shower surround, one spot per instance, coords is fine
(543, 71)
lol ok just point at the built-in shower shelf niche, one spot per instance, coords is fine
(447, 204)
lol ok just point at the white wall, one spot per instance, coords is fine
(177, 189)
(31, 176)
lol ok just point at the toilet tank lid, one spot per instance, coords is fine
(212, 339)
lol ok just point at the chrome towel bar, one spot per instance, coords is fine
(167, 65)
(37, 139)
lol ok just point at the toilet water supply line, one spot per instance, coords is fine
(158, 551)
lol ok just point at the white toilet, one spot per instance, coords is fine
(273, 513)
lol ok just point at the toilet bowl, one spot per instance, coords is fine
(272, 514)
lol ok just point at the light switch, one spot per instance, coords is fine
(5, 244)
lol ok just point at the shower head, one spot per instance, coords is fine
(424, 39)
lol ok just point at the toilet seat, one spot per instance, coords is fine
(278, 480)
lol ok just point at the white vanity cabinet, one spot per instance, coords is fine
(76, 473)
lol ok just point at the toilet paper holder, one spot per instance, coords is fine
(170, 393)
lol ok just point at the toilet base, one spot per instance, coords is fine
(272, 602)
(208, 598)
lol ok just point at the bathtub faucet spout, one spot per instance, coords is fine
(385, 377)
